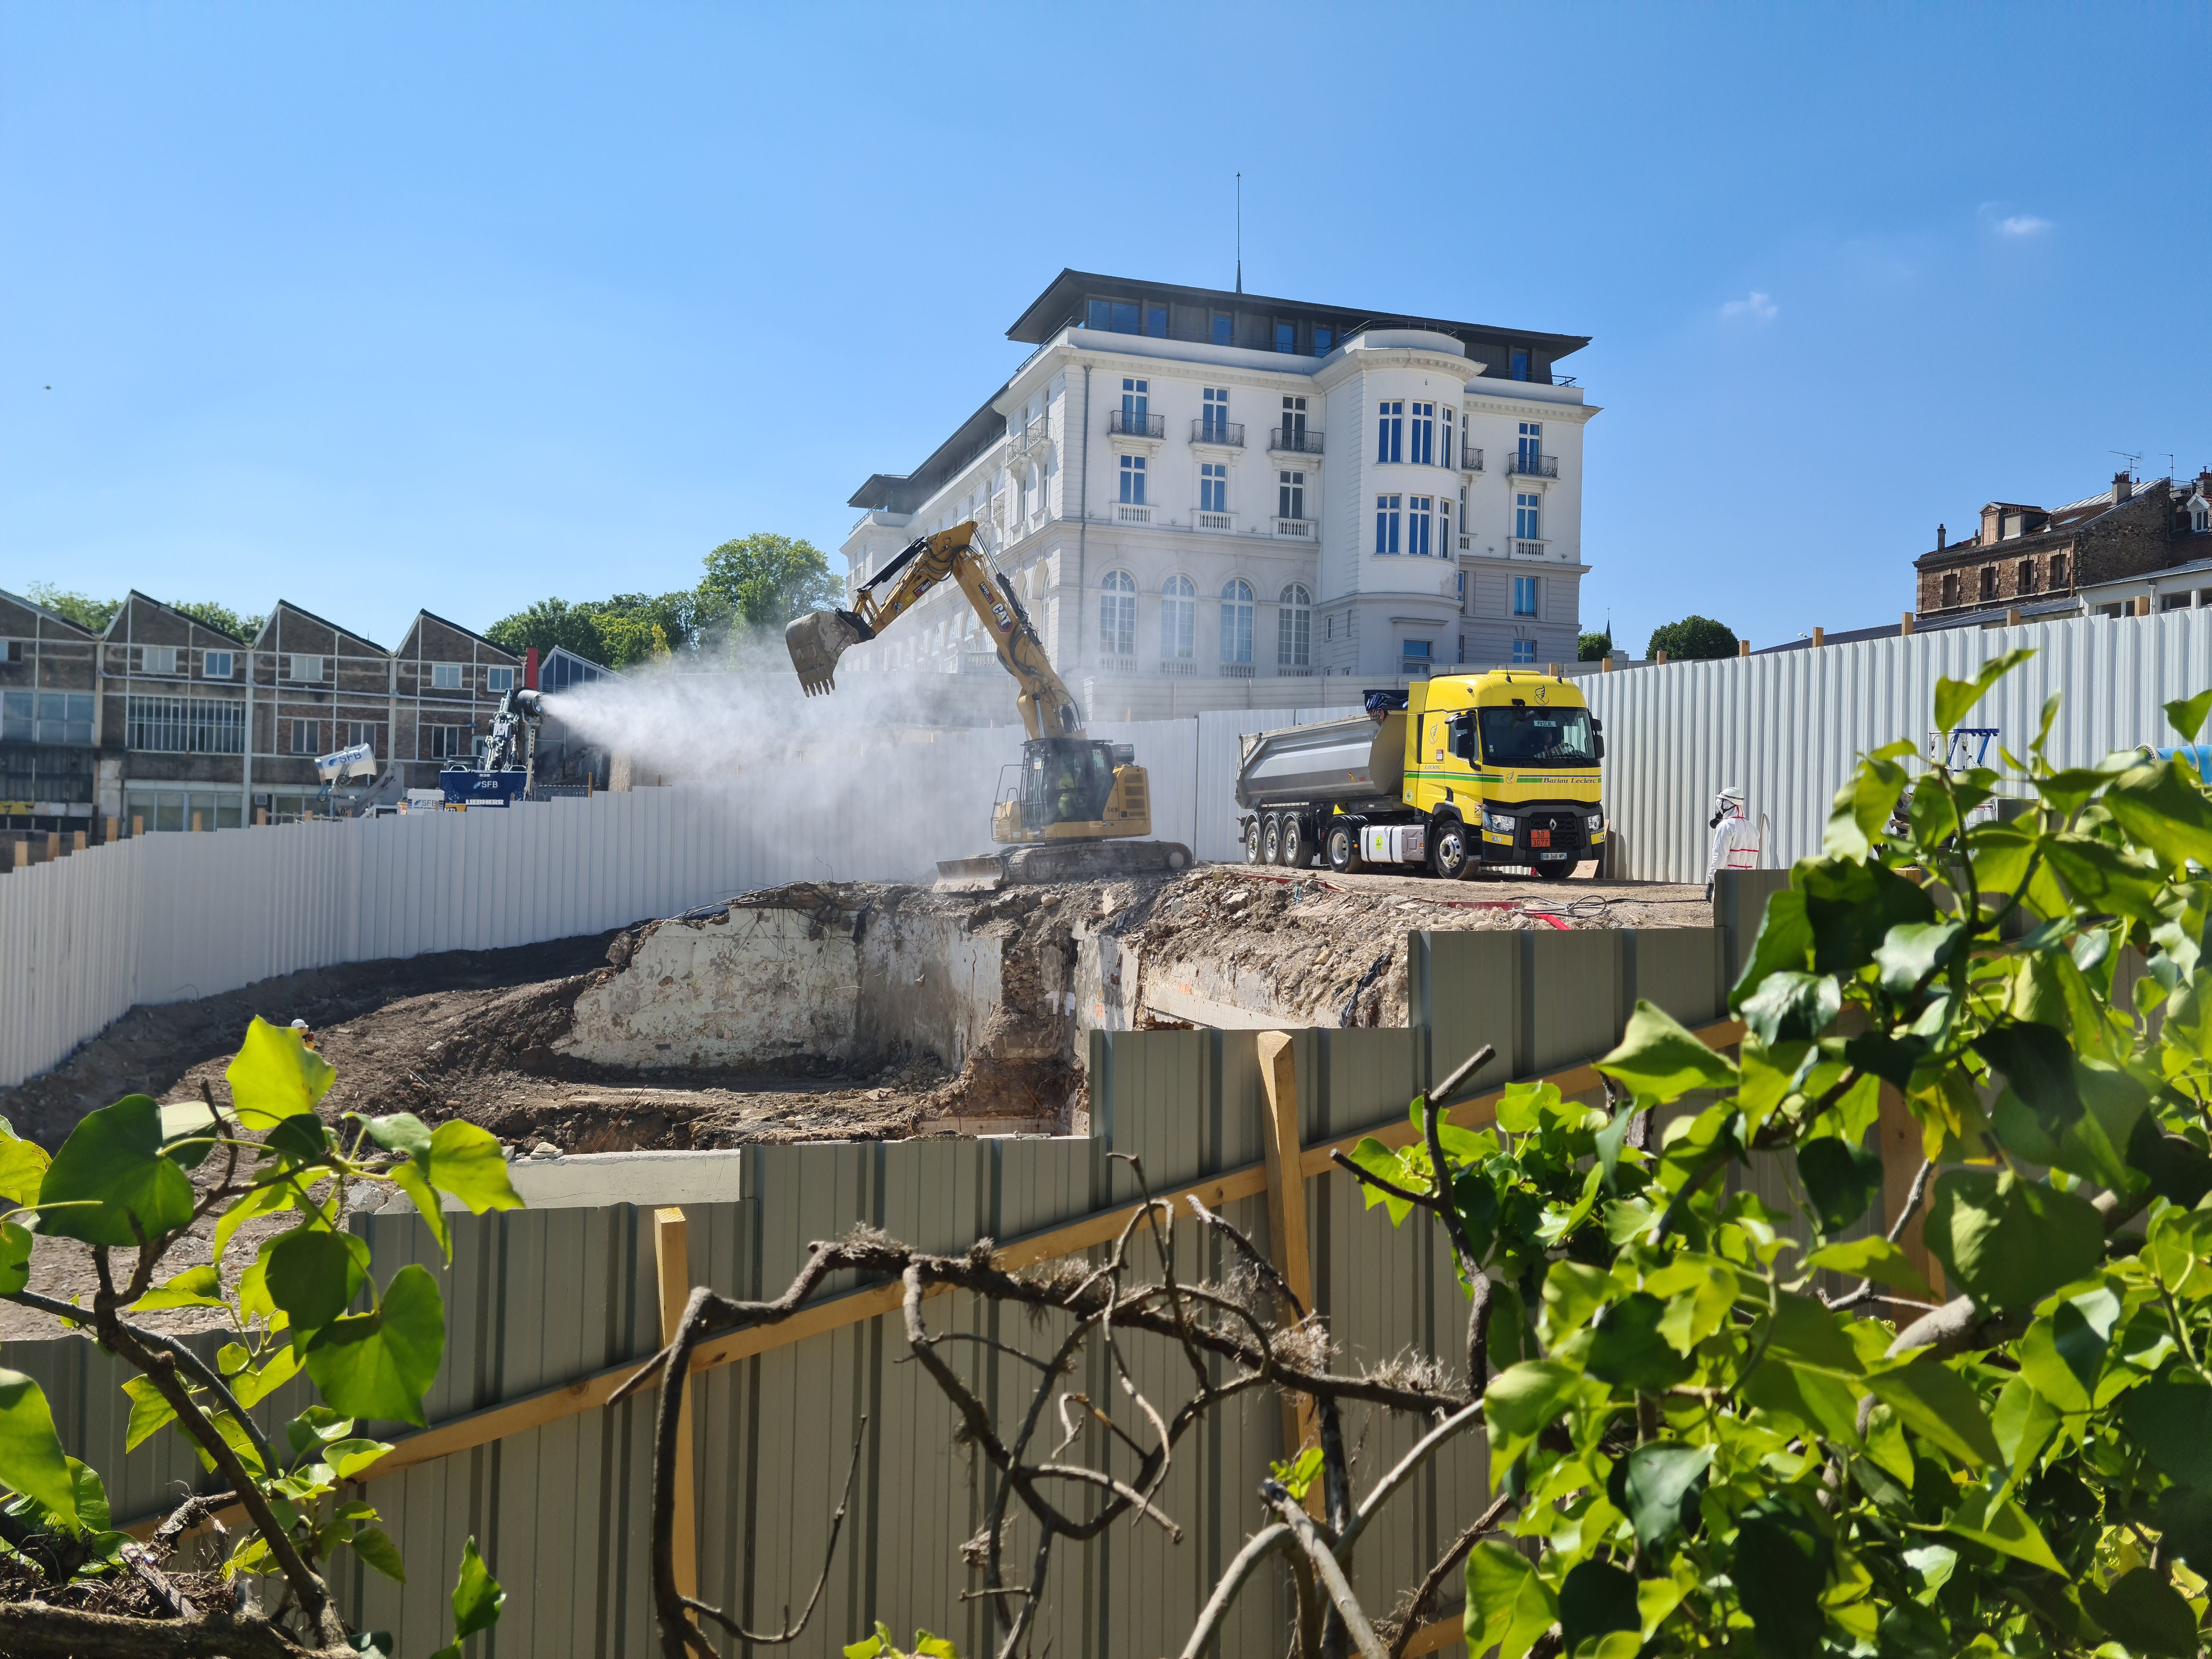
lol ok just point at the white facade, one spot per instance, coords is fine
(1173, 510)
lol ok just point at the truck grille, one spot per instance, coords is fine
(1565, 830)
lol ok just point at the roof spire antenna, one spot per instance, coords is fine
(1239, 232)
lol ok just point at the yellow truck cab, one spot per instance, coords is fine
(1454, 774)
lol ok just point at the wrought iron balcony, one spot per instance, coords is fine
(1470, 458)
(1229, 433)
(1293, 441)
(1532, 467)
(1136, 424)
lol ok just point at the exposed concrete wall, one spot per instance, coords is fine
(747, 988)
(772, 987)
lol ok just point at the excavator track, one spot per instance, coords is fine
(1060, 860)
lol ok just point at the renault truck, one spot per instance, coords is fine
(1455, 775)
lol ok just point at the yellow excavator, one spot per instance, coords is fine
(1072, 808)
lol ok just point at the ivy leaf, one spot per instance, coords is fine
(1508, 1605)
(2008, 1242)
(148, 1411)
(32, 1462)
(2172, 1421)
(15, 1257)
(478, 1597)
(2183, 1520)
(1658, 1058)
(1955, 699)
(1596, 1599)
(1862, 807)
(22, 1168)
(1520, 1403)
(1629, 1349)
(1852, 907)
(1658, 1485)
(195, 1287)
(1871, 1258)
(380, 1364)
(371, 1544)
(468, 1162)
(1782, 943)
(276, 1075)
(1778, 1578)
(2145, 1613)
(2104, 879)
(1792, 1007)
(1912, 950)
(1372, 1156)
(112, 1170)
(1935, 1402)
(314, 1276)
(1840, 1178)
(401, 1132)
(2161, 805)
(2186, 714)
(2002, 1526)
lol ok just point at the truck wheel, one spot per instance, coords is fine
(1271, 843)
(1449, 854)
(1298, 846)
(1252, 840)
(1343, 848)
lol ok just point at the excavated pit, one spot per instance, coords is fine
(830, 1011)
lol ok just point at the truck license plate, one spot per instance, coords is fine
(1540, 838)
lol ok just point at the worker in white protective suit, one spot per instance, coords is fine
(1736, 845)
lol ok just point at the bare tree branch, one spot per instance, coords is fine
(1326, 1568)
(1417, 1609)
(791, 1633)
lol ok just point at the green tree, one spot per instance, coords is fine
(1697, 1438)
(87, 613)
(764, 580)
(549, 622)
(636, 626)
(1694, 636)
(1594, 648)
(221, 617)
(309, 1301)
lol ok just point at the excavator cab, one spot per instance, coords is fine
(1064, 788)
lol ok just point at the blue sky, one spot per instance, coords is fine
(380, 306)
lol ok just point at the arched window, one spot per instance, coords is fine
(1294, 628)
(1236, 620)
(1117, 614)
(1179, 619)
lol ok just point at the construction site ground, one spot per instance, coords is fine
(487, 1037)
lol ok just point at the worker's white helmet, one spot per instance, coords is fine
(1729, 793)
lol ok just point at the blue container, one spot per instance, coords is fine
(463, 788)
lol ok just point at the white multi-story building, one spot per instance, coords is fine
(1227, 497)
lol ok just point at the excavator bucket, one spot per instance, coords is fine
(815, 641)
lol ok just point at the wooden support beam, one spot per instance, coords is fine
(1435, 1638)
(671, 1259)
(1897, 1138)
(1287, 1240)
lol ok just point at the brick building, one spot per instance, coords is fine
(49, 719)
(318, 687)
(2052, 561)
(446, 685)
(173, 704)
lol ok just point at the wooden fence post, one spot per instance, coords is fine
(670, 1254)
(1286, 1217)
(1897, 1133)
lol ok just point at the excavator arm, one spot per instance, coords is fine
(817, 640)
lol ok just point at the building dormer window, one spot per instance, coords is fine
(1224, 329)
(1519, 362)
(2199, 516)
(1286, 337)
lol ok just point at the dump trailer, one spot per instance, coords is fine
(1452, 775)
